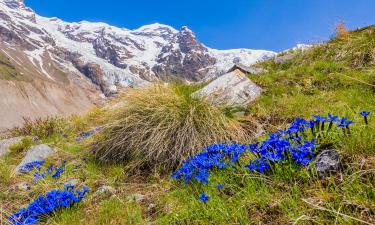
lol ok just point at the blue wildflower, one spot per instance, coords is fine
(46, 204)
(365, 114)
(220, 186)
(260, 165)
(30, 166)
(87, 134)
(204, 198)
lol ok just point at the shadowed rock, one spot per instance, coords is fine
(327, 162)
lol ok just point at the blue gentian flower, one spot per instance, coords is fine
(260, 165)
(204, 198)
(220, 186)
(30, 166)
(365, 114)
(46, 204)
(344, 122)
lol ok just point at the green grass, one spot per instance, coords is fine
(318, 81)
(287, 194)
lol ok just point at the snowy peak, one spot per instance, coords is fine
(112, 57)
(14, 4)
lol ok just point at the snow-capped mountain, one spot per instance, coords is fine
(110, 56)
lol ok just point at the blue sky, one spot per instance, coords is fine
(223, 24)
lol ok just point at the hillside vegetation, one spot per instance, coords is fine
(337, 77)
(7, 70)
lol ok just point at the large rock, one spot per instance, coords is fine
(5, 144)
(231, 89)
(284, 58)
(327, 162)
(36, 153)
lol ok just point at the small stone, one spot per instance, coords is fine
(23, 186)
(36, 153)
(6, 143)
(104, 192)
(35, 139)
(72, 182)
(136, 197)
(151, 206)
(327, 162)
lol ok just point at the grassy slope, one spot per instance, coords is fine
(7, 70)
(334, 77)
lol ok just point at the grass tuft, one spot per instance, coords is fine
(160, 126)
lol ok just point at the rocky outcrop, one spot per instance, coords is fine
(113, 54)
(184, 58)
(232, 89)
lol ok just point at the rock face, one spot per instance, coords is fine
(231, 89)
(36, 153)
(5, 144)
(328, 161)
(184, 56)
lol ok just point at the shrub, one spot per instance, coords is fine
(41, 127)
(160, 126)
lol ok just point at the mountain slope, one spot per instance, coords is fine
(112, 56)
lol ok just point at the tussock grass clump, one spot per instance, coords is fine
(160, 126)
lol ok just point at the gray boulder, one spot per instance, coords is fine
(233, 89)
(36, 153)
(284, 58)
(327, 162)
(6, 143)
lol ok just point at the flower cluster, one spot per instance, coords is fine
(295, 144)
(55, 172)
(46, 204)
(292, 144)
(214, 156)
(30, 166)
(87, 134)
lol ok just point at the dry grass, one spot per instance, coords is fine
(342, 32)
(160, 126)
